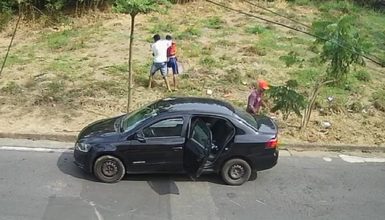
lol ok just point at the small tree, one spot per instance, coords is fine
(286, 99)
(133, 8)
(342, 47)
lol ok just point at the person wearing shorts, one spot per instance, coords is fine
(172, 60)
(159, 51)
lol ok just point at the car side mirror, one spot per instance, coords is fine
(140, 137)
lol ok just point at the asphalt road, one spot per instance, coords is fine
(41, 185)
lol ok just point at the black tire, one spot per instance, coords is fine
(236, 172)
(253, 175)
(109, 169)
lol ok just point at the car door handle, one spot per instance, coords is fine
(177, 148)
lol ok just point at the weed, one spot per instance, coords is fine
(228, 58)
(341, 6)
(225, 43)
(52, 92)
(291, 58)
(189, 33)
(339, 98)
(306, 77)
(62, 64)
(142, 73)
(208, 61)
(61, 39)
(12, 88)
(253, 50)
(255, 29)
(355, 106)
(207, 50)
(110, 87)
(191, 50)
(5, 17)
(362, 76)
(161, 27)
(233, 76)
(268, 39)
(214, 23)
(117, 69)
(15, 59)
(378, 99)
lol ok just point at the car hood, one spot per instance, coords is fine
(105, 128)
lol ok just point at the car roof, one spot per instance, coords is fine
(195, 104)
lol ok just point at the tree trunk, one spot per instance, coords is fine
(10, 44)
(313, 97)
(130, 78)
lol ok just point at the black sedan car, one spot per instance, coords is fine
(179, 135)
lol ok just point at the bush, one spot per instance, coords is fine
(286, 99)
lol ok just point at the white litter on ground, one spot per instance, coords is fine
(356, 159)
(327, 159)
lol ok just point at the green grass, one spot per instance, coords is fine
(57, 40)
(225, 43)
(162, 27)
(142, 72)
(63, 65)
(208, 61)
(189, 33)
(306, 77)
(338, 6)
(117, 69)
(214, 22)
(253, 50)
(255, 29)
(268, 39)
(363, 76)
(191, 50)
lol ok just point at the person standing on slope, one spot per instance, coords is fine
(159, 51)
(172, 60)
(255, 99)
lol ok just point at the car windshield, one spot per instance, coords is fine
(132, 119)
(246, 117)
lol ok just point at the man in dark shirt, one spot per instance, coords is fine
(255, 100)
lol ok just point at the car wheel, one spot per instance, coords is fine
(236, 172)
(109, 169)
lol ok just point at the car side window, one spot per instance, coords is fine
(165, 128)
(201, 133)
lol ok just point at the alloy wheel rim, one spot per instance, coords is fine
(109, 168)
(236, 171)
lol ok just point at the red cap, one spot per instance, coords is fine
(262, 84)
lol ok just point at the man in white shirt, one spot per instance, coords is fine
(159, 51)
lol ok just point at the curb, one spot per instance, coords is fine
(51, 137)
(331, 147)
(303, 146)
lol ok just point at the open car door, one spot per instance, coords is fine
(197, 148)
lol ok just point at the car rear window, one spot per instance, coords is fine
(246, 117)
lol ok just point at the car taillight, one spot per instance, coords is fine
(272, 144)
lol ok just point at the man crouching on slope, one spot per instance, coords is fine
(159, 51)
